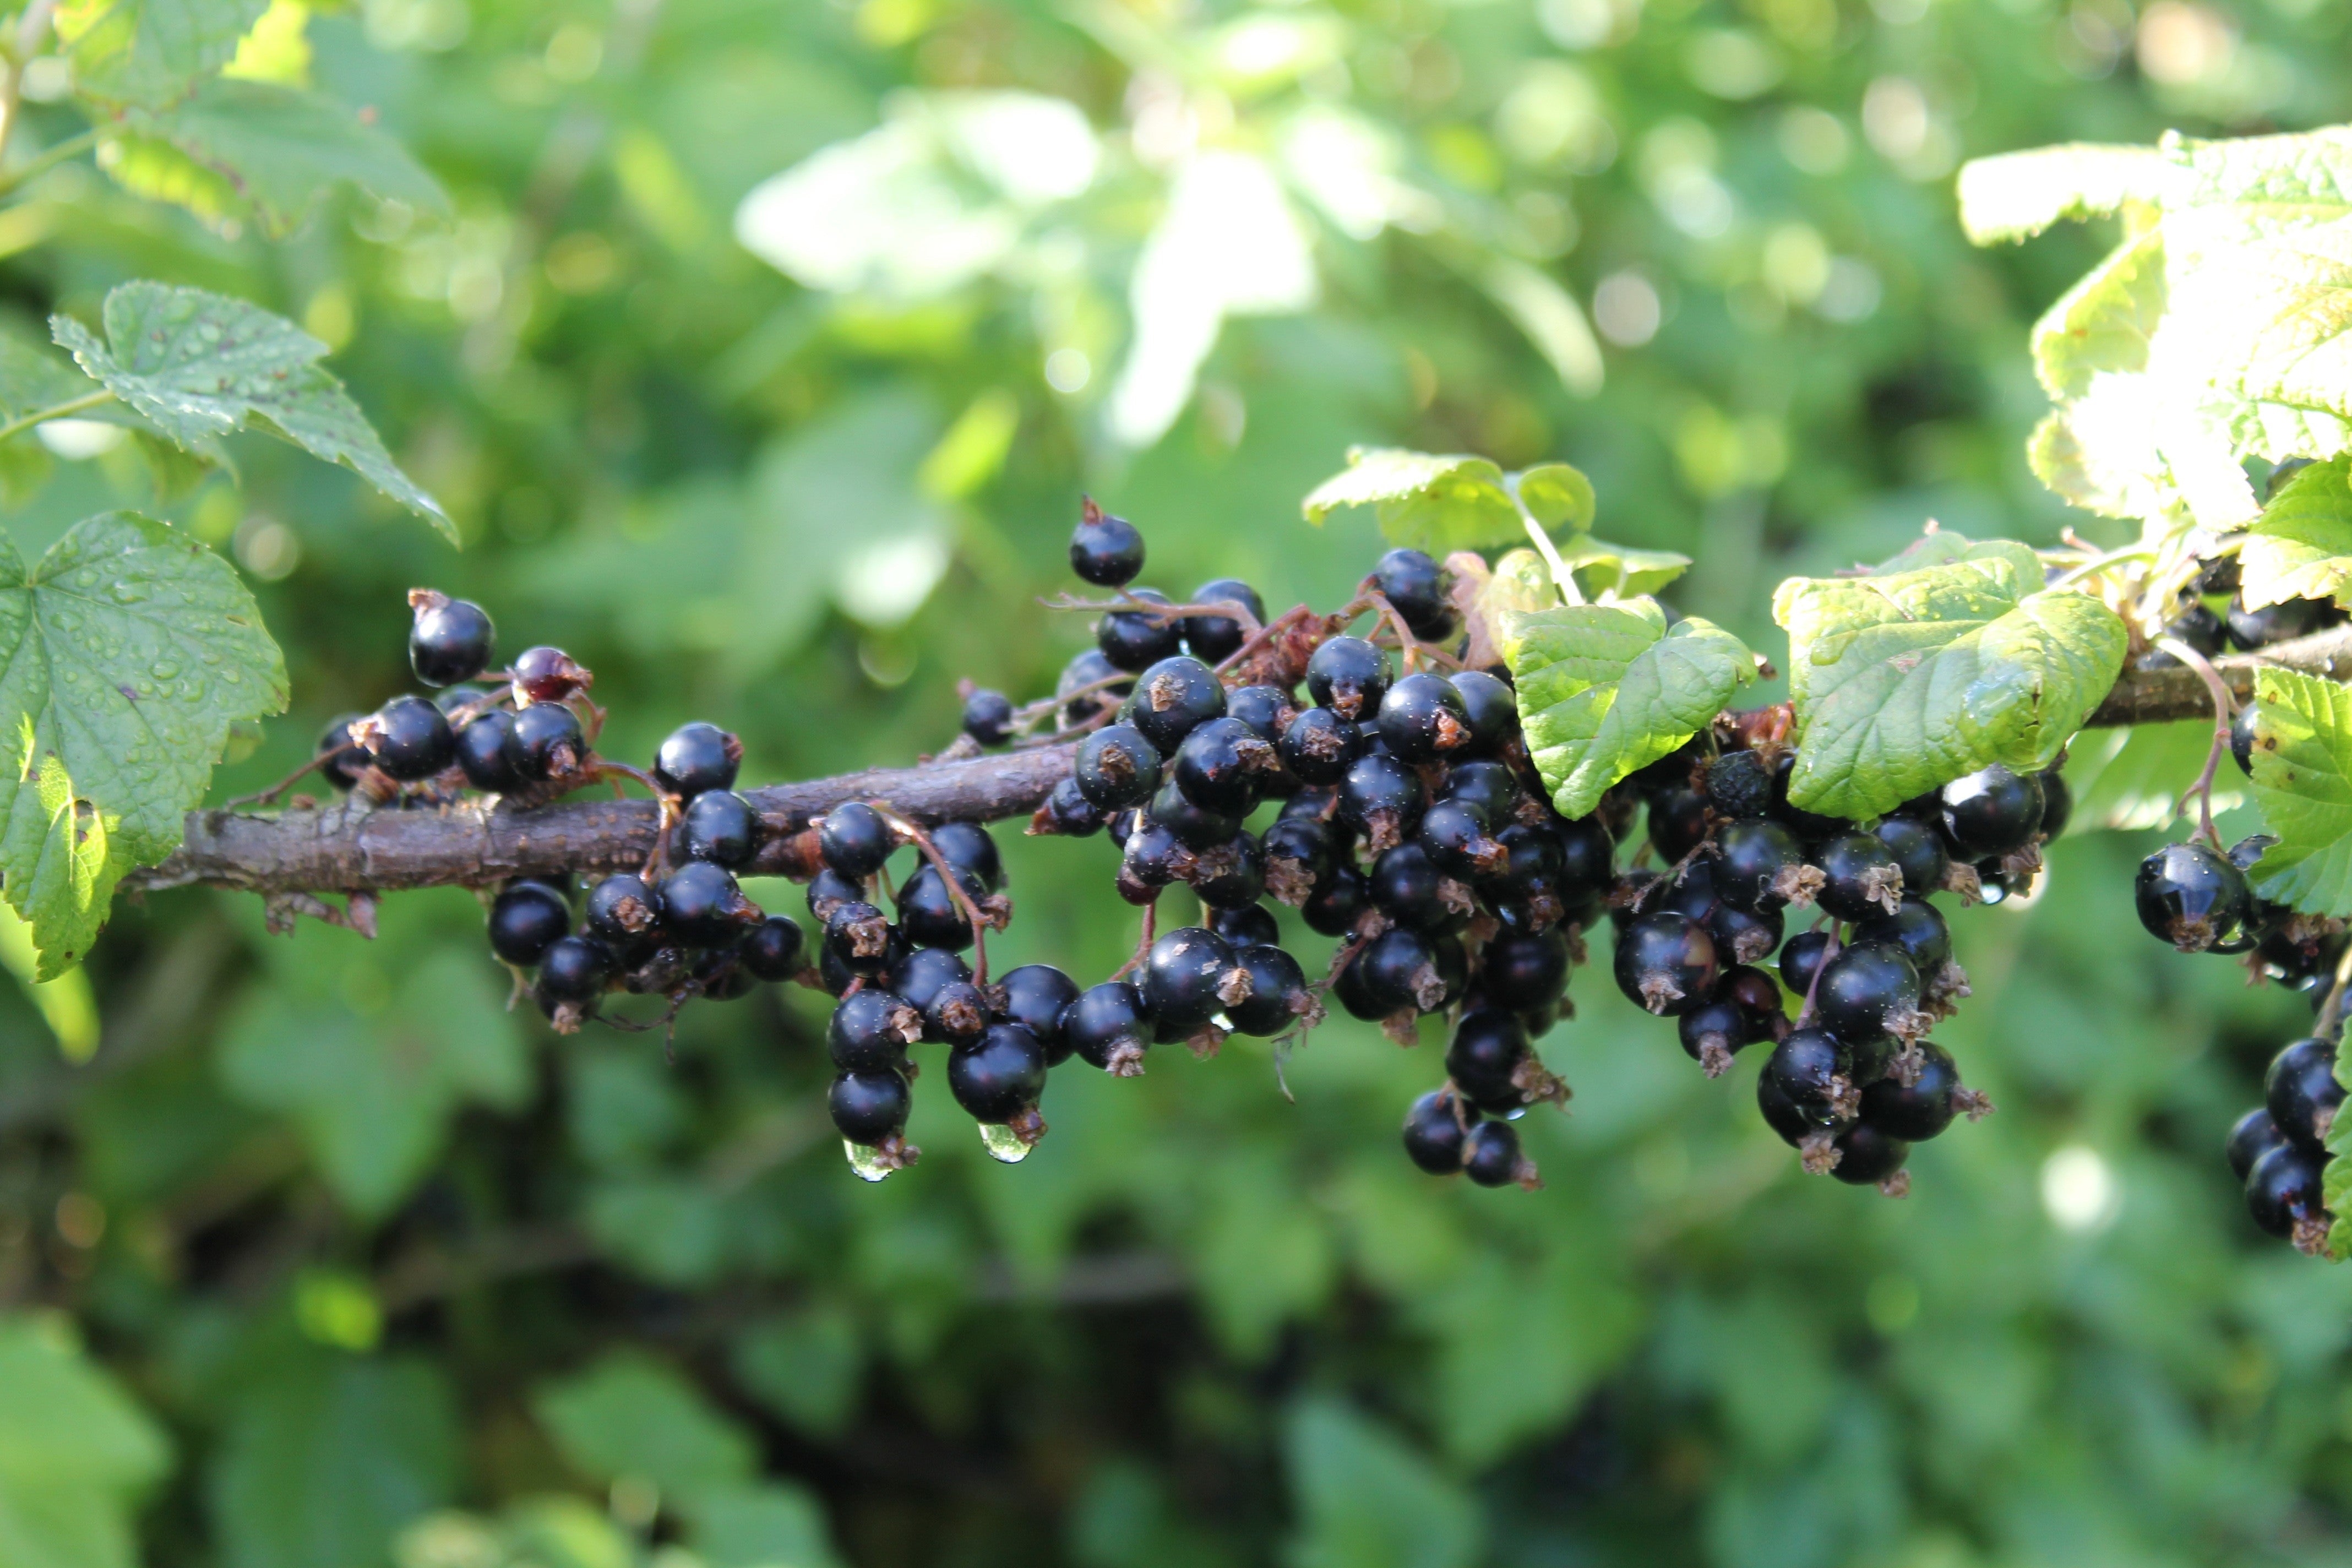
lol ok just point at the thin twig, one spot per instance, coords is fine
(1142, 943)
(2331, 1012)
(947, 870)
(1812, 986)
(2224, 707)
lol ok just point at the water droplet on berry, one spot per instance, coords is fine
(867, 1161)
(1002, 1143)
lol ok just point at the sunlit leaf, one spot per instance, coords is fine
(1437, 504)
(2302, 757)
(2302, 547)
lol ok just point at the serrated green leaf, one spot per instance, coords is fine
(150, 53)
(1625, 570)
(1936, 547)
(1606, 688)
(262, 151)
(1558, 496)
(200, 365)
(2105, 321)
(2302, 756)
(1904, 683)
(1437, 504)
(125, 655)
(33, 376)
(2015, 195)
(1520, 582)
(74, 1452)
(2302, 547)
(2335, 1177)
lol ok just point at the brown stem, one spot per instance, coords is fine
(2331, 1012)
(2222, 707)
(947, 870)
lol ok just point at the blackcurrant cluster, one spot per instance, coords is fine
(680, 928)
(1852, 1082)
(2280, 1148)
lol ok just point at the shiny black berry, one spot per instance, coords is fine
(1197, 828)
(958, 1013)
(1250, 925)
(1921, 1109)
(574, 969)
(1713, 1032)
(1916, 928)
(1268, 710)
(485, 753)
(1138, 639)
(1340, 899)
(1105, 550)
(703, 905)
(1319, 745)
(1171, 699)
(1035, 996)
(1188, 977)
(930, 912)
(2253, 1136)
(1085, 674)
(857, 937)
(410, 739)
(1756, 861)
(1802, 959)
(1108, 1027)
(450, 640)
(1859, 877)
(1278, 996)
(2191, 896)
(1918, 851)
(1493, 708)
(1993, 812)
(1215, 637)
(1299, 855)
(1866, 994)
(1666, 962)
(917, 974)
(1349, 676)
(720, 826)
(2300, 1093)
(1400, 973)
(546, 743)
(971, 847)
(1525, 971)
(988, 717)
(1232, 876)
(1810, 1074)
(1434, 1131)
(1458, 842)
(1423, 720)
(829, 889)
(1116, 767)
(697, 757)
(625, 909)
(2057, 801)
(1867, 1155)
(1418, 586)
(869, 1107)
(1381, 799)
(1068, 813)
(526, 920)
(1491, 1157)
(2283, 1191)
(544, 674)
(1741, 937)
(1483, 1060)
(999, 1076)
(1677, 822)
(2242, 737)
(855, 840)
(870, 1032)
(1223, 766)
(775, 950)
(346, 758)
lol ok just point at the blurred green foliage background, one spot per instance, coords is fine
(327, 1261)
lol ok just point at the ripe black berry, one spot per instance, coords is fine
(1666, 962)
(2254, 1136)
(1757, 863)
(2300, 1093)
(2283, 1193)
(1108, 1027)
(574, 969)
(1738, 785)
(1530, 869)
(969, 846)
(917, 974)
(1457, 843)
(1299, 855)
(1173, 698)
(1920, 1110)
(1742, 937)
(2242, 738)
(1866, 994)
(1421, 719)
(345, 757)
(1268, 710)
(869, 1107)
(703, 905)
(999, 1075)
(829, 889)
(720, 827)
(1677, 822)
(698, 757)
(1483, 1059)
(928, 911)
(1867, 1155)
(1250, 925)
(546, 743)
(1232, 876)
(1223, 766)
(2191, 896)
(1491, 1157)
(1586, 857)
(2278, 623)
(2057, 801)
(1278, 997)
(1493, 708)
(1859, 877)
(773, 949)
(1417, 587)
(1684, 767)
(483, 753)
(1713, 1032)
(870, 1032)
(1809, 1073)
(526, 920)
(1214, 638)
(1154, 857)
(409, 739)
(1380, 798)
(1319, 745)
(546, 674)
(1918, 849)
(988, 717)
(1400, 972)
(958, 1012)
(625, 910)
(1136, 639)
(1801, 958)
(450, 640)
(1116, 767)
(1338, 901)
(858, 938)
(1197, 830)
(1188, 977)
(1916, 928)
(855, 840)
(1434, 1131)
(1035, 996)
(1993, 812)
(1349, 676)
(1085, 673)
(1068, 813)
(1525, 971)
(1105, 550)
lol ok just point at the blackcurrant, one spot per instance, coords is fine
(1232, 876)
(720, 826)
(2284, 1193)
(1532, 866)
(2282, 622)
(1250, 925)
(1400, 972)
(1684, 767)
(1138, 639)
(1800, 960)
(484, 754)
(1921, 1109)
(1268, 710)
(1154, 857)
(1035, 996)
(871, 1030)
(829, 888)
(1319, 745)
(1105, 550)
(526, 920)
(1712, 1032)
(1739, 787)
(1085, 674)
(703, 905)
(1811, 1074)
(625, 909)
(1742, 937)
(345, 758)
(917, 974)
(971, 847)
(1417, 587)
(1299, 855)
(1866, 1155)
(1677, 822)
(1866, 994)
(1483, 1059)
(1381, 799)
(1188, 977)
(1859, 877)
(1197, 828)
(1916, 928)
(546, 743)
(574, 969)
(1223, 766)
(2057, 802)
(1116, 767)
(959, 1012)
(857, 937)
(773, 949)
(409, 739)
(1278, 995)
(999, 1076)
(1759, 862)
(1215, 637)
(1792, 1121)
(697, 757)
(1918, 851)
(1993, 812)
(2300, 1093)
(869, 1107)
(1421, 719)
(1492, 710)
(1457, 843)
(1338, 901)
(1491, 1157)
(1172, 699)
(930, 913)
(2191, 896)
(1349, 676)
(544, 674)
(1586, 857)
(1108, 1027)
(1068, 813)
(2242, 738)
(855, 840)
(1666, 962)
(1434, 1131)
(988, 717)
(450, 640)
(1525, 971)
(2253, 1136)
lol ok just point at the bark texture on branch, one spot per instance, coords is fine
(347, 848)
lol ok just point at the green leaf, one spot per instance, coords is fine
(2133, 779)
(632, 1416)
(1629, 573)
(2302, 756)
(1937, 547)
(151, 53)
(261, 151)
(1558, 496)
(328, 1457)
(2302, 547)
(1434, 503)
(770, 1524)
(2335, 1176)
(200, 365)
(125, 655)
(2103, 323)
(372, 1049)
(32, 377)
(2016, 196)
(74, 1452)
(1520, 582)
(804, 1364)
(1366, 1499)
(1905, 682)
(1606, 688)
